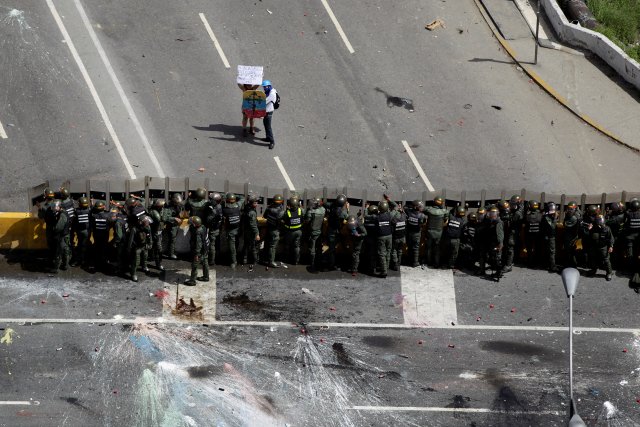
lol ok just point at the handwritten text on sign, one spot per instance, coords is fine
(249, 75)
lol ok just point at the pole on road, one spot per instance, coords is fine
(570, 279)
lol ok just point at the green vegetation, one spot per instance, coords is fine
(620, 22)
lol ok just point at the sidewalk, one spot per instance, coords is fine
(578, 79)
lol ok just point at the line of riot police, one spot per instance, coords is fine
(492, 236)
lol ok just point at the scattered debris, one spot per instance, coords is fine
(624, 382)
(497, 107)
(478, 319)
(624, 350)
(491, 306)
(269, 12)
(467, 106)
(332, 308)
(435, 24)
(420, 342)
(7, 338)
(44, 301)
(97, 349)
(160, 294)
(201, 169)
(115, 391)
(65, 295)
(301, 126)
(188, 309)
(451, 346)
(594, 392)
(460, 30)
(404, 356)
(59, 348)
(513, 310)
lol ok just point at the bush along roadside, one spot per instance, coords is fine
(619, 21)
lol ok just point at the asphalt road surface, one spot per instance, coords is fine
(120, 89)
(285, 347)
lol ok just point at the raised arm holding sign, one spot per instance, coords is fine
(249, 79)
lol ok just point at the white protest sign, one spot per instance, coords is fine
(249, 75)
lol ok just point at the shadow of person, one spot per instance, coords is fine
(23, 243)
(235, 133)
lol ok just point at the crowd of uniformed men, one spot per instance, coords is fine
(493, 236)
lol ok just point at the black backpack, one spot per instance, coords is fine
(276, 104)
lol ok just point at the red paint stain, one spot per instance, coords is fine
(161, 294)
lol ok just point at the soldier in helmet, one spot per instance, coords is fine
(49, 197)
(197, 203)
(384, 236)
(232, 212)
(69, 207)
(631, 230)
(490, 241)
(600, 246)
(481, 212)
(135, 210)
(118, 222)
(139, 244)
(588, 219)
(371, 237)
(99, 222)
(532, 232)
(199, 248)
(273, 215)
(82, 229)
(357, 233)
(213, 222)
(415, 220)
(511, 215)
(468, 247)
(615, 219)
(176, 208)
(453, 233)
(572, 226)
(337, 217)
(159, 217)
(57, 232)
(436, 220)
(314, 218)
(292, 222)
(548, 236)
(251, 232)
(399, 235)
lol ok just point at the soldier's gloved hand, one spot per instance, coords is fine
(178, 221)
(610, 250)
(196, 258)
(257, 237)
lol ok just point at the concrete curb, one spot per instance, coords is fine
(544, 85)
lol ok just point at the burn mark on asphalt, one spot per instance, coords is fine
(520, 349)
(341, 354)
(242, 300)
(203, 371)
(506, 400)
(459, 401)
(75, 402)
(379, 341)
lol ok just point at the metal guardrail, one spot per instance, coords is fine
(154, 187)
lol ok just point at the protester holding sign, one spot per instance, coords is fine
(249, 79)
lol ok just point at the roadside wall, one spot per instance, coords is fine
(595, 42)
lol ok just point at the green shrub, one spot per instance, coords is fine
(620, 22)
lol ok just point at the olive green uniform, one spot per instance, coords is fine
(315, 218)
(172, 227)
(199, 252)
(273, 215)
(572, 226)
(120, 242)
(57, 233)
(251, 231)
(140, 242)
(600, 240)
(385, 242)
(415, 221)
(292, 221)
(358, 233)
(232, 213)
(548, 238)
(435, 222)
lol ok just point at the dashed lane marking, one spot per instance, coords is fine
(3, 134)
(338, 26)
(120, 90)
(284, 173)
(92, 89)
(19, 402)
(215, 41)
(417, 165)
(429, 297)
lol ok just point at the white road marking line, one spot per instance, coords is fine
(338, 26)
(3, 134)
(123, 96)
(325, 325)
(436, 409)
(429, 297)
(417, 165)
(215, 41)
(92, 89)
(19, 402)
(284, 173)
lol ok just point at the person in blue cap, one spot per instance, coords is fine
(272, 101)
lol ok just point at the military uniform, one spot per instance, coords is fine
(273, 215)
(468, 248)
(173, 226)
(213, 222)
(57, 233)
(199, 253)
(82, 229)
(140, 241)
(631, 232)
(532, 235)
(160, 216)
(315, 218)
(415, 220)
(385, 241)
(336, 218)
(250, 232)
(490, 240)
(69, 207)
(120, 242)
(512, 224)
(357, 232)
(232, 213)
(100, 233)
(452, 236)
(572, 226)
(600, 242)
(399, 226)
(371, 240)
(292, 221)
(436, 217)
(548, 238)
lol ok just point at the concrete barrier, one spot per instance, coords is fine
(21, 231)
(597, 43)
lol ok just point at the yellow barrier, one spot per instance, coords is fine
(19, 230)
